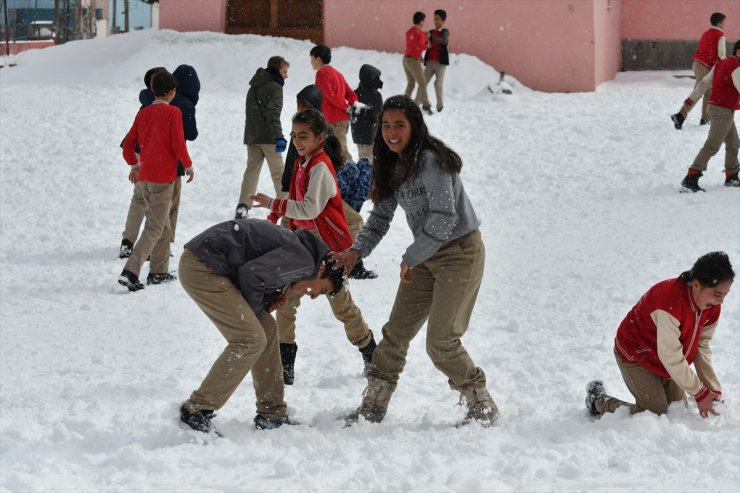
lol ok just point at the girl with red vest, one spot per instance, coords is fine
(724, 78)
(314, 203)
(666, 332)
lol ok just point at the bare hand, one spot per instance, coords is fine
(278, 302)
(706, 405)
(260, 200)
(133, 176)
(346, 259)
(191, 175)
(406, 274)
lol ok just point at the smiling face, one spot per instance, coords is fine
(706, 297)
(314, 287)
(396, 130)
(305, 141)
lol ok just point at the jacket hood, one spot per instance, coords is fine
(315, 246)
(370, 76)
(262, 77)
(312, 96)
(146, 97)
(188, 83)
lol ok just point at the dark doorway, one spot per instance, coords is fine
(300, 19)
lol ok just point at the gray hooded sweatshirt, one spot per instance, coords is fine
(437, 211)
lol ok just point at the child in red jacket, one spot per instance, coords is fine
(158, 131)
(665, 332)
(314, 203)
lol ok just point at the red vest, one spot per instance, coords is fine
(636, 340)
(706, 53)
(724, 92)
(330, 223)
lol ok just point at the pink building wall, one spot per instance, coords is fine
(547, 45)
(193, 15)
(676, 19)
(607, 40)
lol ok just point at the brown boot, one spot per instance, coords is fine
(481, 407)
(375, 401)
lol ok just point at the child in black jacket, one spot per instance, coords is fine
(365, 117)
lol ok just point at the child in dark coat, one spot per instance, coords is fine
(365, 116)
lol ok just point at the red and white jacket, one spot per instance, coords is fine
(724, 79)
(158, 130)
(665, 332)
(336, 93)
(314, 201)
(711, 47)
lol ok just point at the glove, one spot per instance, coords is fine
(705, 402)
(688, 103)
(280, 145)
(273, 218)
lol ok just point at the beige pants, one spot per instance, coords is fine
(353, 218)
(252, 342)
(343, 307)
(365, 150)
(155, 239)
(652, 392)
(442, 294)
(722, 129)
(414, 71)
(256, 154)
(340, 130)
(137, 212)
(700, 71)
(437, 70)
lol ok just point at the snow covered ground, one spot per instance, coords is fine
(581, 213)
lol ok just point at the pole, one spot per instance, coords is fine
(7, 30)
(113, 28)
(125, 15)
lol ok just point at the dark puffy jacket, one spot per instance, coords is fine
(259, 257)
(311, 95)
(186, 97)
(263, 107)
(363, 123)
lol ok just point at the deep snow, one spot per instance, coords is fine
(578, 197)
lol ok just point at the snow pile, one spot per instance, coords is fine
(578, 197)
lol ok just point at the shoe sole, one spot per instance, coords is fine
(131, 286)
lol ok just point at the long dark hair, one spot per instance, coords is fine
(710, 269)
(333, 149)
(390, 170)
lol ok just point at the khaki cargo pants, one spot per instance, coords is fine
(722, 129)
(652, 392)
(155, 239)
(137, 212)
(252, 342)
(256, 154)
(442, 294)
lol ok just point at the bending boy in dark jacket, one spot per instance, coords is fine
(237, 272)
